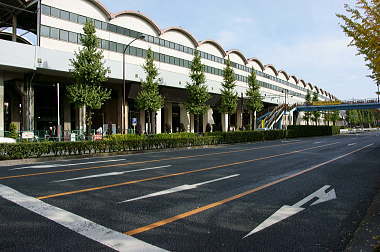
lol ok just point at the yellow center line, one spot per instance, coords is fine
(237, 196)
(140, 162)
(179, 173)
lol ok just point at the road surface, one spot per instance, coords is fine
(304, 194)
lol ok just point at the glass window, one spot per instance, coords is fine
(55, 12)
(126, 32)
(98, 24)
(45, 31)
(162, 57)
(162, 42)
(120, 30)
(181, 48)
(133, 34)
(119, 48)
(145, 52)
(65, 15)
(105, 44)
(73, 37)
(132, 50)
(112, 28)
(166, 59)
(177, 47)
(171, 45)
(45, 10)
(171, 60)
(73, 17)
(81, 19)
(156, 40)
(191, 51)
(54, 33)
(112, 46)
(166, 43)
(64, 35)
(155, 55)
(150, 39)
(139, 52)
(104, 26)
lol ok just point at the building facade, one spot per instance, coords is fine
(29, 72)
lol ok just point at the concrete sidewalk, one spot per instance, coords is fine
(367, 237)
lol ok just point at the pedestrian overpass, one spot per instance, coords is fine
(341, 105)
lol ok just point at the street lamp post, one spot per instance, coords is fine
(123, 109)
(286, 106)
(378, 92)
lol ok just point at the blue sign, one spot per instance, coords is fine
(134, 121)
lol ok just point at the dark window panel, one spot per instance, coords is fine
(98, 24)
(119, 48)
(45, 10)
(112, 46)
(104, 26)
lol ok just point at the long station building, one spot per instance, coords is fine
(39, 37)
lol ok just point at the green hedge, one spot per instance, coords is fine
(122, 143)
(248, 136)
(309, 131)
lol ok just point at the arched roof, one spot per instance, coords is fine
(258, 62)
(294, 78)
(139, 15)
(285, 73)
(272, 67)
(214, 43)
(184, 32)
(303, 82)
(102, 8)
(310, 86)
(237, 52)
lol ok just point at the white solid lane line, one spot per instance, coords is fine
(178, 189)
(110, 174)
(351, 144)
(60, 165)
(78, 224)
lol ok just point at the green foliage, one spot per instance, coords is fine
(247, 136)
(13, 131)
(149, 98)
(197, 94)
(309, 131)
(315, 115)
(307, 114)
(254, 101)
(89, 74)
(363, 26)
(229, 98)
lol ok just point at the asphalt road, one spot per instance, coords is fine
(298, 195)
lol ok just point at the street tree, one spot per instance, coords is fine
(229, 97)
(89, 74)
(254, 101)
(196, 90)
(335, 116)
(308, 101)
(148, 98)
(362, 24)
(315, 115)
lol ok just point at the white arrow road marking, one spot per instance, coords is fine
(78, 224)
(287, 211)
(60, 165)
(351, 144)
(178, 189)
(110, 174)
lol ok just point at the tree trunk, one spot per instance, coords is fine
(228, 122)
(198, 123)
(149, 121)
(254, 120)
(88, 120)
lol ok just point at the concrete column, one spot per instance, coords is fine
(157, 127)
(168, 115)
(126, 119)
(192, 123)
(184, 117)
(207, 118)
(224, 122)
(27, 92)
(142, 121)
(14, 28)
(66, 115)
(2, 126)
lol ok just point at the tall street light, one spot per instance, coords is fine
(123, 110)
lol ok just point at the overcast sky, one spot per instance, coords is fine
(302, 37)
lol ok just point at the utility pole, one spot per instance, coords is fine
(58, 119)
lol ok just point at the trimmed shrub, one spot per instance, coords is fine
(309, 131)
